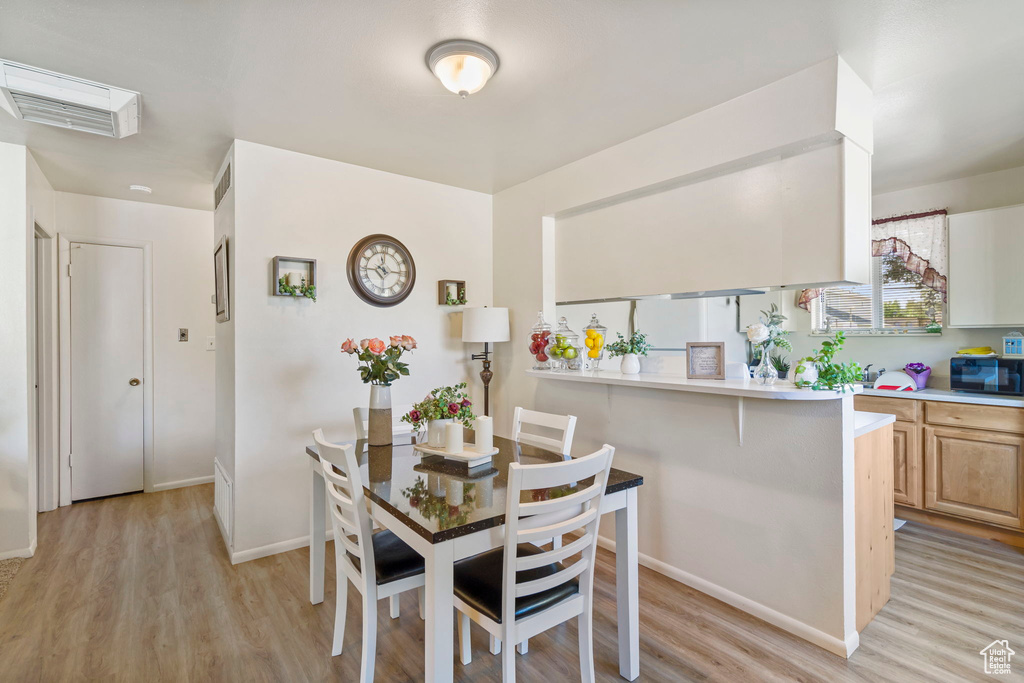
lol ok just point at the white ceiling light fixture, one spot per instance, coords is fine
(145, 189)
(462, 66)
(54, 99)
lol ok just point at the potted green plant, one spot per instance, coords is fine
(819, 371)
(308, 291)
(630, 349)
(438, 408)
(780, 363)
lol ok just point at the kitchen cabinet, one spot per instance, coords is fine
(957, 461)
(985, 277)
(975, 474)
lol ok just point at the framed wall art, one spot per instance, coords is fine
(705, 360)
(222, 297)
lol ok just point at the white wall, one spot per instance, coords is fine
(290, 376)
(17, 516)
(183, 382)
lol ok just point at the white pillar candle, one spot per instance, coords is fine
(453, 437)
(456, 493)
(484, 427)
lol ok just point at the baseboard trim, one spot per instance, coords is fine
(182, 483)
(763, 612)
(20, 552)
(274, 548)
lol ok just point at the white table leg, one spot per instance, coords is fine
(627, 579)
(317, 535)
(439, 637)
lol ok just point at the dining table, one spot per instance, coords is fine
(447, 512)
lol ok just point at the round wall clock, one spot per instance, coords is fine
(381, 270)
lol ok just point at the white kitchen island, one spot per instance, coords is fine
(753, 495)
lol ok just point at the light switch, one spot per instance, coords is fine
(211, 343)
(183, 334)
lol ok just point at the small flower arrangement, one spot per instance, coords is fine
(916, 368)
(768, 332)
(443, 403)
(637, 343)
(920, 373)
(381, 362)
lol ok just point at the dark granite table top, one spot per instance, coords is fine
(440, 499)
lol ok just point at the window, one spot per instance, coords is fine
(895, 301)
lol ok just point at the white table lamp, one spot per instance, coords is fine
(487, 325)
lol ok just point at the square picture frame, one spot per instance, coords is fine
(705, 360)
(222, 293)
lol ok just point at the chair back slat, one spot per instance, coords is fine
(575, 512)
(554, 555)
(347, 504)
(549, 531)
(566, 424)
(524, 588)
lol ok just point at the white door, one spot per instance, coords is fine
(106, 370)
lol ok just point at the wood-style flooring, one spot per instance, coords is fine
(139, 588)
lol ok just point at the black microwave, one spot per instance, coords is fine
(987, 375)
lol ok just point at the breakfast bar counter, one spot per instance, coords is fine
(754, 492)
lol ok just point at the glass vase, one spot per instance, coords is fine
(765, 373)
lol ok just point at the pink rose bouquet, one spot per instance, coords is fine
(380, 362)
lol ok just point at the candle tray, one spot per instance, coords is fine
(468, 454)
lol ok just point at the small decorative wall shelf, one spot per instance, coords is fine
(292, 272)
(451, 292)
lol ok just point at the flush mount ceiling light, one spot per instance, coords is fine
(141, 188)
(462, 66)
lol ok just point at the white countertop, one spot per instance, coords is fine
(950, 397)
(865, 422)
(728, 387)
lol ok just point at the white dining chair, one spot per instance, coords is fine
(518, 591)
(361, 418)
(564, 425)
(397, 567)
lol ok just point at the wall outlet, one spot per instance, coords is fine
(211, 343)
(183, 334)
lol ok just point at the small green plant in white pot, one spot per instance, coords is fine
(819, 372)
(630, 350)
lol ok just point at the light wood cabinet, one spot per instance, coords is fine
(907, 464)
(957, 463)
(975, 474)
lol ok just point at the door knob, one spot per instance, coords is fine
(134, 381)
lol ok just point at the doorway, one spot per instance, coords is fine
(106, 367)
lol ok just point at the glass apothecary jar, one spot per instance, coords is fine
(593, 342)
(540, 341)
(566, 349)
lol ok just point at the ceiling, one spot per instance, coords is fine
(346, 80)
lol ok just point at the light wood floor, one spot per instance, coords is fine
(139, 588)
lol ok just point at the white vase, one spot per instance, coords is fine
(380, 428)
(630, 364)
(437, 432)
(805, 371)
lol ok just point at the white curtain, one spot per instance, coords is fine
(919, 240)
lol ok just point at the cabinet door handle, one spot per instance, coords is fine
(134, 381)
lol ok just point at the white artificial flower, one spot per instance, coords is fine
(757, 333)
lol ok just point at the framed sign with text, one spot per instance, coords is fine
(705, 360)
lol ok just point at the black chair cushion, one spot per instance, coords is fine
(395, 559)
(478, 582)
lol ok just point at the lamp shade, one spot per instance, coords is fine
(485, 325)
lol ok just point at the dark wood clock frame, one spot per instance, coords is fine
(356, 282)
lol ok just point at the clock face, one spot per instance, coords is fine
(381, 270)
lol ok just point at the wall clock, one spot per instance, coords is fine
(381, 270)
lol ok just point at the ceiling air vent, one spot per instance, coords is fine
(41, 96)
(222, 187)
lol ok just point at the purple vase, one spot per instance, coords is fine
(920, 377)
